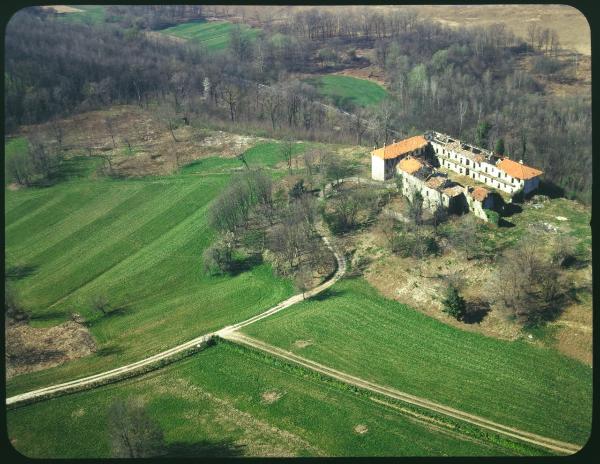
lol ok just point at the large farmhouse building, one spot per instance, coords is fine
(385, 159)
(420, 162)
(484, 166)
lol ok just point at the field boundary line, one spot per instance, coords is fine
(164, 357)
(532, 438)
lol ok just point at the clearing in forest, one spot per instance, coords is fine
(214, 35)
(346, 91)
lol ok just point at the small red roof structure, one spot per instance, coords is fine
(409, 165)
(400, 148)
(518, 170)
(480, 193)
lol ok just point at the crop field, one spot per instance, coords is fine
(345, 90)
(228, 400)
(213, 35)
(353, 329)
(139, 244)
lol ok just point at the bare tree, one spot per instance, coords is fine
(303, 279)
(287, 150)
(110, 127)
(100, 304)
(133, 433)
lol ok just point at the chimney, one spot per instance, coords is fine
(520, 161)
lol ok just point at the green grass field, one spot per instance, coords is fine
(213, 35)
(17, 146)
(348, 91)
(267, 154)
(354, 329)
(212, 404)
(137, 242)
(91, 14)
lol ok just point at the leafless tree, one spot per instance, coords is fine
(133, 433)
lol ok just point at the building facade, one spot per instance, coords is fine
(385, 159)
(407, 159)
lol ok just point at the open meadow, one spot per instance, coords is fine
(353, 329)
(213, 35)
(136, 243)
(231, 401)
(347, 90)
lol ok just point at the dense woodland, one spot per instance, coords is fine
(463, 82)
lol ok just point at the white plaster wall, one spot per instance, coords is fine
(377, 168)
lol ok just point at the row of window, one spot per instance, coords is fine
(478, 165)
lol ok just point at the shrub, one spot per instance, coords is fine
(454, 304)
(492, 216)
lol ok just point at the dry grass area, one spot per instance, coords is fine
(62, 9)
(421, 284)
(30, 349)
(570, 24)
(143, 144)
(578, 79)
(258, 437)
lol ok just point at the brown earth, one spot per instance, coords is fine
(62, 9)
(421, 284)
(577, 80)
(570, 24)
(153, 149)
(30, 349)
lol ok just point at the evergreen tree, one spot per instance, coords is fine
(454, 304)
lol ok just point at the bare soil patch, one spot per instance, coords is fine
(63, 9)
(571, 25)
(143, 144)
(361, 429)
(30, 349)
(577, 80)
(271, 397)
(302, 343)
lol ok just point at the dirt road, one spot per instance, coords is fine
(538, 440)
(159, 359)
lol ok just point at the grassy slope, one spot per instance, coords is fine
(347, 89)
(92, 14)
(213, 35)
(17, 146)
(266, 154)
(357, 331)
(139, 242)
(212, 404)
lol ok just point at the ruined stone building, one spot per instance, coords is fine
(422, 161)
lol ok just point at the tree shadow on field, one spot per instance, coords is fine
(204, 448)
(245, 264)
(114, 312)
(48, 316)
(328, 294)
(511, 208)
(19, 272)
(504, 223)
(110, 350)
(476, 312)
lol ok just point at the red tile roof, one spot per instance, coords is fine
(410, 165)
(400, 148)
(479, 193)
(518, 170)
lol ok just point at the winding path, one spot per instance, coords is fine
(142, 366)
(231, 333)
(532, 438)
